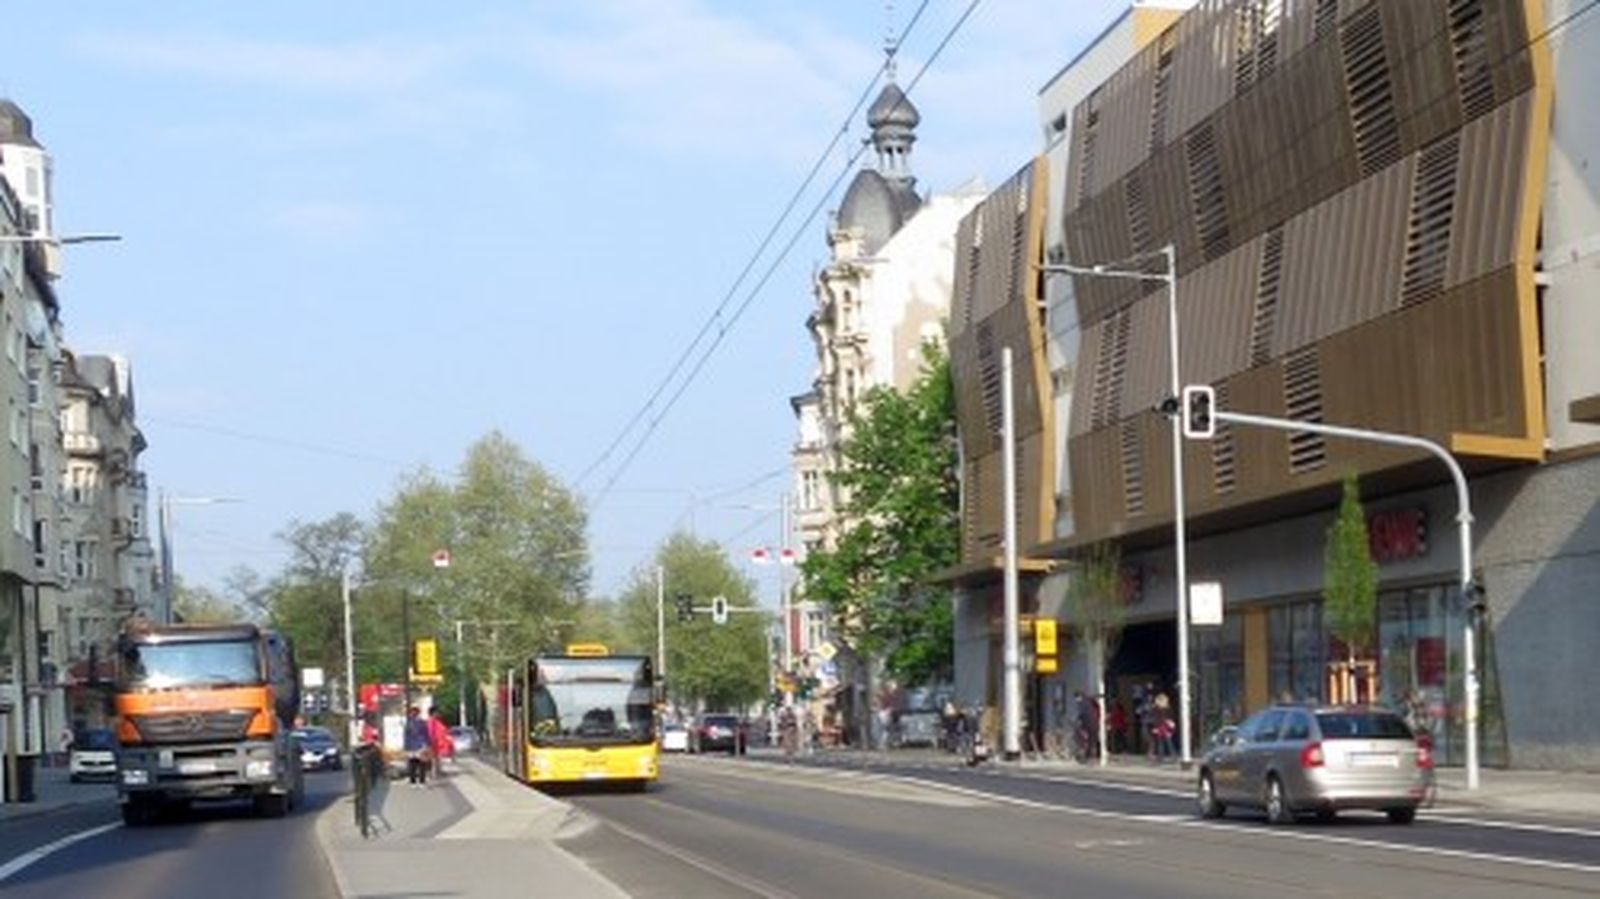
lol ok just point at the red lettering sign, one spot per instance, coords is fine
(1396, 534)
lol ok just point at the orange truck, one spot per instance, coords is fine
(206, 712)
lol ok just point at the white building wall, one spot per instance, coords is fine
(1571, 227)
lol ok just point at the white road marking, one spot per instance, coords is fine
(11, 868)
(701, 864)
(1464, 818)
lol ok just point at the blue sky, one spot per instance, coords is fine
(359, 236)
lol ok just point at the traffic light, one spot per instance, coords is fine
(719, 609)
(685, 604)
(1198, 421)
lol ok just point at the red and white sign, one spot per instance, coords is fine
(441, 558)
(760, 556)
(787, 556)
(1397, 534)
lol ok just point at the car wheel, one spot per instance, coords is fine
(1207, 798)
(1327, 814)
(1278, 810)
(1402, 815)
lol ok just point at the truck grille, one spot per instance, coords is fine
(193, 727)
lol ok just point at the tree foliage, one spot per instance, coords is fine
(195, 604)
(1096, 610)
(303, 600)
(723, 666)
(1350, 576)
(901, 513)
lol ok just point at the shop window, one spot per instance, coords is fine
(1296, 652)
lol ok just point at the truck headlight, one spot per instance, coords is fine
(135, 777)
(258, 770)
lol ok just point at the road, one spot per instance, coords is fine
(216, 850)
(717, 827)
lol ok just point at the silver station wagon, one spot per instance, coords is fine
(1291, 759)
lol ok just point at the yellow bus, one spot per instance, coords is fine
(584, 715)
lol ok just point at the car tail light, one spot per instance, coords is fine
(1424, 755)
(1311, 756)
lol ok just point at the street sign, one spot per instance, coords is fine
(1205, 603)
(827, 651)
(311, 678)
(1045, 665)
(719, 609)
(427, 657)
(441, 558)
(1044, 637)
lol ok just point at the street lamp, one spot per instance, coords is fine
(168, 573)
(59, 241)
(1169, 277)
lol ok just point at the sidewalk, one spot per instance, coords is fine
(53, 790)
(1568, 795)
(476, 833)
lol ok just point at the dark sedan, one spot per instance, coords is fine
(319, 751)
(718, 733)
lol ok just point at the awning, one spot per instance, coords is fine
(989, 570)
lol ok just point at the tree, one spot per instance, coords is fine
(518, 554)
(901, 516)
(1096, 610)
(202, 605)
(723, 666)
(304, 599)
(1350, 579)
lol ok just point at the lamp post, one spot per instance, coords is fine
(168, 573)
(1169, 277)
(63, 240)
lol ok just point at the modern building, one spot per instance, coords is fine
(1385, 217)
(882, 294)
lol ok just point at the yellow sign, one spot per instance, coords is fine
(1044, 637)
(427, 678)
(588, 650)
(1045, 664)
(427, 656)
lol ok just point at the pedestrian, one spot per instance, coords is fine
(1163, 727)
(1116, 728)
(440, 744)
(416, 748)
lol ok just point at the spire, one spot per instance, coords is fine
(893, 120)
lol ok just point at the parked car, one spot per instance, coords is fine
(919, 720)
(319, 751)
(93, 756)
(465, 738)
(1290, 760)
(718, 733)
(674, 738)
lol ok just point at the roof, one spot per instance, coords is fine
(878, 207)
(15, 126)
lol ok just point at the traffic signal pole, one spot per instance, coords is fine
(661, 631)
(1469, 588)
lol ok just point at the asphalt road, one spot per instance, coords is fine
(716, 827)
(215, 850)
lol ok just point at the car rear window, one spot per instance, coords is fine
(722, 720)
(1362, 726)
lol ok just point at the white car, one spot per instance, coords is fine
(674, 738)
(93, 756)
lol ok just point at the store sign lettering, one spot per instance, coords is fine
(1397, 534)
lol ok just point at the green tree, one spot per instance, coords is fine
(901, 514)
(202, 605)
(518, 554)
(304, 599)
(1096, 611)
(1350, 578)
(724, 666)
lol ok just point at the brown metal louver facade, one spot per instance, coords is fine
(1353, 189)
(996, 305)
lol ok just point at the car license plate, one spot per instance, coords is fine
(197, 766)
(1375, 760)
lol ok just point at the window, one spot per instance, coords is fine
(30, 178)
(16, 424)
(816, 628)
(11, 340)
(33, 385)
(1298, 727)
(19, 423)
(1295, 652)
(136, 520)
(19, 516)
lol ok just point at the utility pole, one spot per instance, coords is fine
(461, 676)
(405, 640)
(349, 661)
(661, 633)
(1011, 706)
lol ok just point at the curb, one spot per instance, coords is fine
(325, 842)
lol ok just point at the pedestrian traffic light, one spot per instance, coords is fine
(719, 609)
(685, 604)
(1198, 421)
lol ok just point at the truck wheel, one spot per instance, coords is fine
(137, 813)
(272, 805)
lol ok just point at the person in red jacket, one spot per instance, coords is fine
(439, 740)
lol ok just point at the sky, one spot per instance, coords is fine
(359, 236)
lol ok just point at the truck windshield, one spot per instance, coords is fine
(592, 701)
(167, 666)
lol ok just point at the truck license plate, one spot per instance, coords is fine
(197, 766)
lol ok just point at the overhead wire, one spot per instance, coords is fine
(750, 264)
(771, 269)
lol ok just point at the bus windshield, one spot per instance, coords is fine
(169, 666)
(591, 701)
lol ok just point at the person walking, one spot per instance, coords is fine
(1164, 727)
(416, 748)
(440, 744)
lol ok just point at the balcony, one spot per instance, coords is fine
(80, 443)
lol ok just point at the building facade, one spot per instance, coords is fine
(1378, 223)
